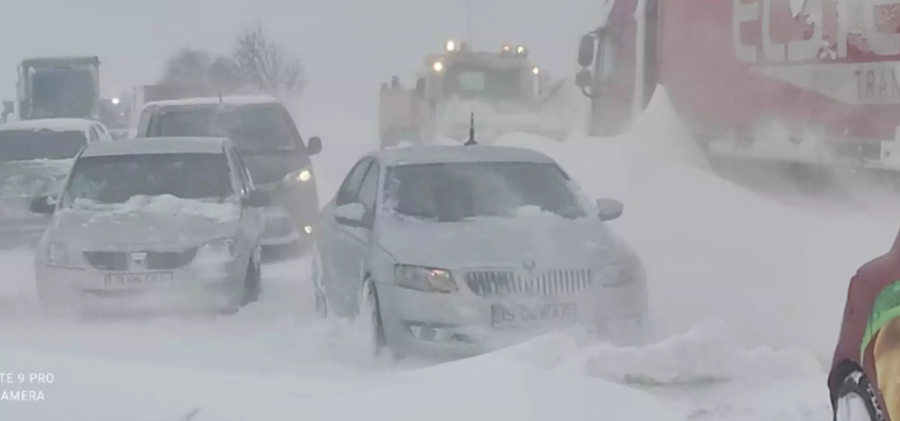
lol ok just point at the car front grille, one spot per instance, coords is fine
(121, 261)
(509, 283)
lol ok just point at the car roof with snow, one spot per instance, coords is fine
(55, 124)
(446, 154)
(232, 100)
(159, 145)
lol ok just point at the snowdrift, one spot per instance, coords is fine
(715, 250)
(476, 389)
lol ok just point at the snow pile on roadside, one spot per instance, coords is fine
(704, 354)
(714, 249)
(167, 205)
(490, 390)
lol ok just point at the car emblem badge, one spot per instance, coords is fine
(139, 258)
(530, 264)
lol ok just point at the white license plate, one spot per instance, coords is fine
(525, 315)
(138, 280)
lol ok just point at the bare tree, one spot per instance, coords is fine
(265, 65)
(201, 73)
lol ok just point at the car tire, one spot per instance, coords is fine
(856, 400)
(369, 319)
(252, 283)
(318, 278)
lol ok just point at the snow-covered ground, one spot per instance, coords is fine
(746, 295)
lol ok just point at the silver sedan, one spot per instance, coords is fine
(458, 250)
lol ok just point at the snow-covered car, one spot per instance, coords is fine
(268, 139)
(152, 224)
(35, 157)
(866, 363)
(457, 250)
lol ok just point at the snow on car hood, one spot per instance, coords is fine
(545, 238)
(22, 181)
(163, 221)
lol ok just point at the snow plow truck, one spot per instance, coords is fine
(505, 90)
(808, 83)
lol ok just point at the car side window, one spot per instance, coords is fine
(245, 172)
(93, 135)
(104, 134)
(234, 172)
(350, 187)
(368, 192)
(144, 123)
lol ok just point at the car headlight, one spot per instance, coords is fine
(222, 249)
(425, 279)
(57, 254)
(302, 175)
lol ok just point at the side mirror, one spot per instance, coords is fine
(44, 205)
(584, 78)
(420, 87)
(610, 209)
(314, 146)
(257, 199)
(351, 214)
(586, 51)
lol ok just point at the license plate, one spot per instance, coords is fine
(137, 280)
(543, 314)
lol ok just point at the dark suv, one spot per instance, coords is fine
(268, 139)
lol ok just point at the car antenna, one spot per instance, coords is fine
(471, 140)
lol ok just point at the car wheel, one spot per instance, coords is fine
(856, 400)
(252, 283)
(319, 285)
(369, 319)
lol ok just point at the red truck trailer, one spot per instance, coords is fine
(808, 82)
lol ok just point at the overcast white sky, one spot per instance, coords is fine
(348, 46)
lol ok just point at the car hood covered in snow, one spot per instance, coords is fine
(154, 222)
(546, 239)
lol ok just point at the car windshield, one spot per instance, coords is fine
(116, 179)
(252, 128)
(27, 145)
(471, 81)
(452, 192)
(62, 93)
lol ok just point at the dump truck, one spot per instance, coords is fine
(504, 88)
(809, 83)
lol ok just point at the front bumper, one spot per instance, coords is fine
(464, 324)
(192, 287)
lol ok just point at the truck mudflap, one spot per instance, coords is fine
(840, 153)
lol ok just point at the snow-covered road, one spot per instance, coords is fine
(746, 296)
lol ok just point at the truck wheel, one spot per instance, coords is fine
(856, 400)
